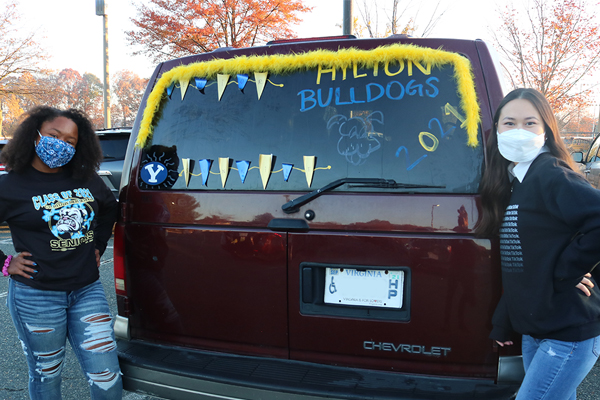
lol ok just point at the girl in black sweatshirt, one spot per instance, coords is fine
(61, 215)
(548, 219)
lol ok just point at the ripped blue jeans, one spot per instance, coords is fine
(44, 319)
(554, 369)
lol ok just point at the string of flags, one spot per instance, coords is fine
(260, 78)
(265, 165)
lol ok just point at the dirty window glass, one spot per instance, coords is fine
(402, 122)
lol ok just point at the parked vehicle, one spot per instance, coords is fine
(3, 143)
(114, 146)
(589, 162)
(580, 144)
(297, 222)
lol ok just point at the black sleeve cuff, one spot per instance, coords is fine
(500, 334)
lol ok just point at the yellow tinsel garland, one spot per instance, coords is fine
(341, 59)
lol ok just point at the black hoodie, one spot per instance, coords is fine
(549, 240)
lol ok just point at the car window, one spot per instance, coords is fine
(592, 155)
(311, 128)
(2, 168)
(114, 148)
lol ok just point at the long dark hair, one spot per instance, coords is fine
(19, 152)
(495, 184)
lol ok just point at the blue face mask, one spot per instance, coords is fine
(54, 152)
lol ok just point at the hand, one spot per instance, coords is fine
(98, 258)
(19, 265)
(502, 344)
(585, 285)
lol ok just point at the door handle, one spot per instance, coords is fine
(288, 225)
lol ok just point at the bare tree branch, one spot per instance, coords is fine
(553, 49)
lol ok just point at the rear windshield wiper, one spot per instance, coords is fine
(293, 206)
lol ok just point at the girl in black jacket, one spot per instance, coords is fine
(548, 219)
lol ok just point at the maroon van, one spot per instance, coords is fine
(297, 223)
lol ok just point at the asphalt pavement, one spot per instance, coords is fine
(13, 367)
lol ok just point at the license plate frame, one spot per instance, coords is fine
(378, 288)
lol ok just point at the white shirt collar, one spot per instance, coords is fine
(520, 169)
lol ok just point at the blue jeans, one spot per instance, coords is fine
(554, 369)
(44, 319)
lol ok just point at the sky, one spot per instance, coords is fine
(72, 33)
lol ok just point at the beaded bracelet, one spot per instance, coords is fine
(6, 264)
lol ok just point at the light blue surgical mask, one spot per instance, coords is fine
(54, 152)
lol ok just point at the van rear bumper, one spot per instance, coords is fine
(178, 373)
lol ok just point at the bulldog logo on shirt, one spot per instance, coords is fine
(69, 216)
(71, 220)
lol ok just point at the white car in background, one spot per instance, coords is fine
(589, 162)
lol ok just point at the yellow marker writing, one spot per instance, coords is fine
(451, 110)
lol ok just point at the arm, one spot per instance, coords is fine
(17, 265)
(502, 330)
(573, 200)
(107, 216)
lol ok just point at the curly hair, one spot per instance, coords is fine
(19, 152)
(495, 186)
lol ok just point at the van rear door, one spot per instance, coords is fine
(412, 297)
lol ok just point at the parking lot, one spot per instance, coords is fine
(13, 380)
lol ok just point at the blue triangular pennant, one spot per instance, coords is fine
(170, 89)
(200, 84)
(242, 80)
(287, 170)
(243, 169)
(205, 169)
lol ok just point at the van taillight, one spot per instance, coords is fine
(119, 260)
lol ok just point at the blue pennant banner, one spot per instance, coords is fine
(242, 80)
(200, 84)
(170, 89)
(205, 169)
(287, 170)
(243, 167)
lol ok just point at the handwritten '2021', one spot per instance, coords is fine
(427, 147)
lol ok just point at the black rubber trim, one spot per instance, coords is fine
(295, 377)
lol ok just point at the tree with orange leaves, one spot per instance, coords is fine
(554, 49)
(128, 89)
(173, 28)
(19, 55)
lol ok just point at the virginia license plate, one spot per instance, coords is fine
(358, 287)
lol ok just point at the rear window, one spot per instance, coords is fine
(114, 148)
(400, 121)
